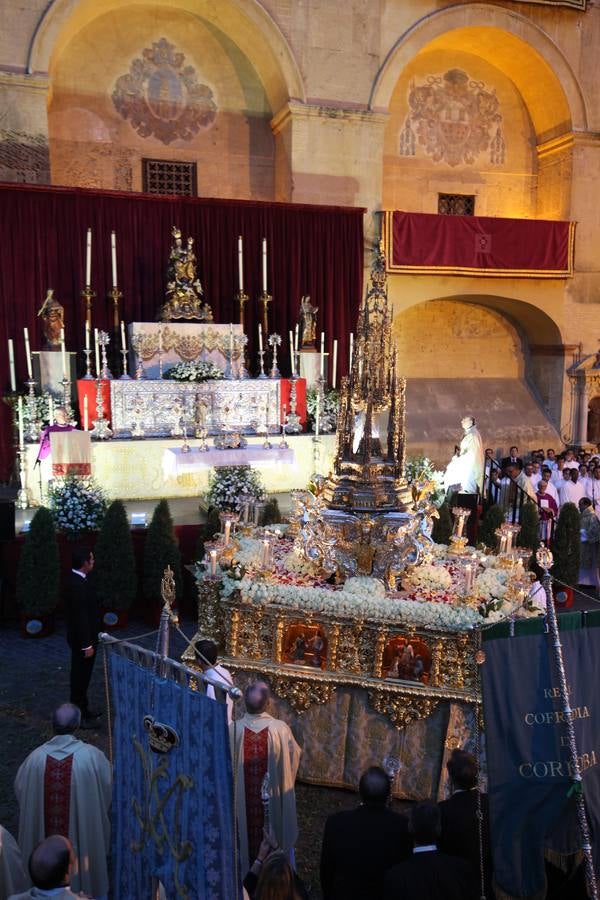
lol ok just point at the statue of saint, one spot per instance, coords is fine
(52, 313)
(464, 472)
(308, 324)
(184, 290)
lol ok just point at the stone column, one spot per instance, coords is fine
(581, 419)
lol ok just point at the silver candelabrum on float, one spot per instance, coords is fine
(33, 425)
(104, 341)
(274, 343)
(101, 430)
(241, 342)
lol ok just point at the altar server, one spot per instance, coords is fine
(262, 745)
(64, 787)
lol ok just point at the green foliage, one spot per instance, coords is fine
(211, 527)
(442, 527)
(114, 574)
(529, 535)
(566, 545)
(493, 519)
(161, 550)
(38, 574)
(272, 516)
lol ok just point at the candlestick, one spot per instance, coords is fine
(88, 295)
(265, 299)
(28, 353)
(97, 352)
(317, 415)
(334, 373)
(34, 424)
(125, 376)
(87, 335)
(322, 353)
(283, 444)
(351, 350)
(115, 295)
(296, 337)
(101, 429)
(88, 259)
(63, 352)
(113, 253)
(240, 265)
(85, 413)
(264, 267)
(274, 343)
(20, 415)
(261, 357)
(293, 370)
(104, 341)
(292, 421)
(260, 339)
(242, 298)
(123, 341)
(11, 363)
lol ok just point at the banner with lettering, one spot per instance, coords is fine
(532, 804)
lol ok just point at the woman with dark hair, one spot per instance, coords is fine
(278, 881)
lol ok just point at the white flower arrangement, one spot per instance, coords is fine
(77, 504)
(491, 584)
(194, 371)
(421, 468)
(364, 586)
(232, 486)
(430, 577)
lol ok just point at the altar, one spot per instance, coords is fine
(159, 345)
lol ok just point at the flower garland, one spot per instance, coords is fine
(194, 371)
(232, 486)
(77, 504)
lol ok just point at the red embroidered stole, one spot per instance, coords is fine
(57, 795)
(256, 755)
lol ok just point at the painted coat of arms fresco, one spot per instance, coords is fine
(163, 98)
(455, 119)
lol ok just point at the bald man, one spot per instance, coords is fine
(50, 867)
(262, 745)
(64, 787)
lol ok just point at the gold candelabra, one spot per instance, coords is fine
(88, 295)
(115, 295)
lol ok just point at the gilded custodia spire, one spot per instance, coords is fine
(369, 463)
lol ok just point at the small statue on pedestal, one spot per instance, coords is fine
(308, 324)
(184, 291)
(52, 313)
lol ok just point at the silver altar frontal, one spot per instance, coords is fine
(145, 408)
(157, 344)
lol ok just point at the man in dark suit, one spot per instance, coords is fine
(429, 874)
(513, 458)
(460, 828)
(82, 630)
(360, 844)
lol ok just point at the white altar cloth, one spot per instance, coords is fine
(179, 342)
(176, 462)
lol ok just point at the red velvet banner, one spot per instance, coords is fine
(422, 243)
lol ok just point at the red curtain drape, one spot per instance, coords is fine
(312, 250)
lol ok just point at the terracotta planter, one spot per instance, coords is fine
(37, 626)
(115, 618)
(563, 596)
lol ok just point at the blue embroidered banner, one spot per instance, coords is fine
(532, 808)
(172, 812)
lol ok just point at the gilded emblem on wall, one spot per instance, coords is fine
(162, 97)
(454, 119)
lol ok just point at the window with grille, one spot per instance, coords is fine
(164, 176)
(456, 204)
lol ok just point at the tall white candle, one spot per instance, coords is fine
(322, 353)
(87, 335)
(50, 410)
(260, 343)
(227, 532)
(113, 254)
(123, 342)
(28, 354)
(11, 363)
(97, 352)
(240, 264)
(63, 353)
(213, 562)
(351, 350)
(88, 259)
(334, 373)
(86, 421)
(20, 407)
(292, 352)
(264, 265)
(296, 337)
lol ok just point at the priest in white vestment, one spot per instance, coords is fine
(13, 877)
(64, 787)
(464, 472)
(262, 745)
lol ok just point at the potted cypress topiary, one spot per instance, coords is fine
(442, 526)
(160, 550)
(529, 535)
(114, 574)
(493, 519)
(566, 549)
(38, 576)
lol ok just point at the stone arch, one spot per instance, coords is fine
(245, 22)
(496, 357)
(554, 98)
